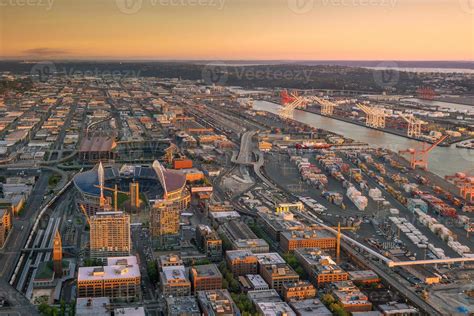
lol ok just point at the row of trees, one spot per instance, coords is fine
(232, 285)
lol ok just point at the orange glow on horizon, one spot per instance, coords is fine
(238, 29)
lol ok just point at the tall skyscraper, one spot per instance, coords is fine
(109, 235)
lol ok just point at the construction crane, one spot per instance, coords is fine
(374, 116)
(414, 125)
(169, 153)
(85, 214)
(134, 191)
(134, 194)
(338, 237)
(465, 185)
(419, 158)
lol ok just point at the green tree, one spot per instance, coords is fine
(328, 299)
(152, 271)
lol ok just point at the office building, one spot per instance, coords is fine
(310, 307)
(277, 276)
(109, 235)
(274, 308)
(130, 311)
(118, 280)
(182, 306)
(97, 306)
(258, 296)
(289, 241)
(298, 291)
(274, 224)
(364, 277)
(269, 259)
(205, 277)
(398, 309)
(242, 237)
(350, 297)
(319, 266)
(241, 262)
(208, 241)
(169, 260)
(253, 282)
(174, 282)
(217, 303)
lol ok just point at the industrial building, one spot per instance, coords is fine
(242, 237)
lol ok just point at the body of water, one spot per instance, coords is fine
(443, 160)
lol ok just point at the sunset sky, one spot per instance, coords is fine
(238, 29)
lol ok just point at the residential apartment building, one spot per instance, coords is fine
(109, 235)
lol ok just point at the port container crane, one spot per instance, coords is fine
(374, 116)
(419, 158)
(465, 185)
(290, 101)
(414, 125)
(293, 101)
